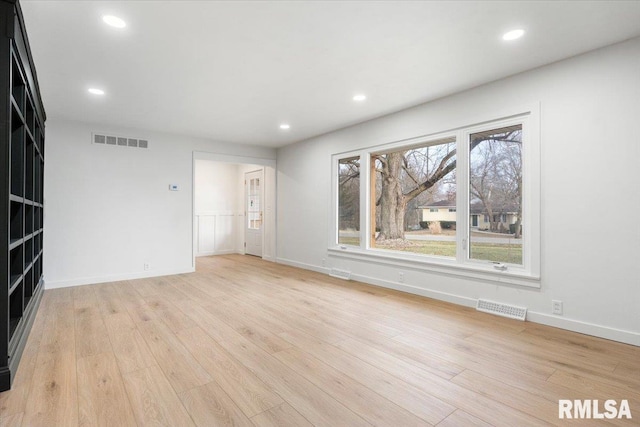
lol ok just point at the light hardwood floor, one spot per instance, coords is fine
(246, 342)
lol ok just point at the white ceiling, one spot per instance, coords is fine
(233, 71)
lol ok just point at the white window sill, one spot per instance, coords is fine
(483, 271)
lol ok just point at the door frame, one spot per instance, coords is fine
(246, 210)
(269, 252)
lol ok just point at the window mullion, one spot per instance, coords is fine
(365, 197)
(462, 196)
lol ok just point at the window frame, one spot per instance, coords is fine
(528, 274)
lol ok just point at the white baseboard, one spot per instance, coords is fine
(114, 278)
(627, 337)
(303, 265)
(210, 253)
(429, 293)
(620, 335)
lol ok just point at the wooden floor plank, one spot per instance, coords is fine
(14, 420)
(180, 367)
(153, 400)
(246, 342)
(460, 418)
(522, 400)
(281, 416)
(360, 399)
(210, 406)
(249, 329)
(91, 333)
(395, 389)
(244, 388)
(100, 390)
(129, 347)
(168, 313)
(53, 396)
(312, 402)
(108, 299)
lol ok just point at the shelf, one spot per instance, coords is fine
(28, 219)
(22, 139)
(16, 215)
(17, 154)
(37, 218)
(15, 309)
(37, 177)
(30, 117)
(37, 284)
(37, 245)
(28, 253)
(13, 325)
(28, 286)
(28, 169)
(14, 281)
(16, 266)
(14, 243)
(17, 84)
(18, 110)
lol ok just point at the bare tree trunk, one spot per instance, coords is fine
(493, 224)
(518, 234)
(392, 200)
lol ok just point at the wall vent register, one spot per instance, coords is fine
(104, 139)
(500, 309)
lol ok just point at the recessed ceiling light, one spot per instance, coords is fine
(359, 98)
(285, 126)
(513, 35)
(96, 91)
(114, 21)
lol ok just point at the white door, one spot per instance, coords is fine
(253, 219)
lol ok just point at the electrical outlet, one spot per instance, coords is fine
(146, 266)
(556, 307)
(401, 277)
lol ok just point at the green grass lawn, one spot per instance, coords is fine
(355, 241)
(511, 254)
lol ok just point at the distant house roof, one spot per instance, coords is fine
(478, 208)
(440, 204)
(474, 208)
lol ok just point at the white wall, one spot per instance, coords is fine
(216, 207)
(590, 107)
(108, 209)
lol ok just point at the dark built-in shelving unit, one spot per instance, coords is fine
(22, 120)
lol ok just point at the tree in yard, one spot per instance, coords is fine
(405, 175)
(495, 175)
(349, 194)
(417, 175)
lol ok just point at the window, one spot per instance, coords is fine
(254, 211)
(463, 202)
(404, 180)
(349, 201)
(495, 187)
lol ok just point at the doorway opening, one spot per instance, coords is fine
(233, 206)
